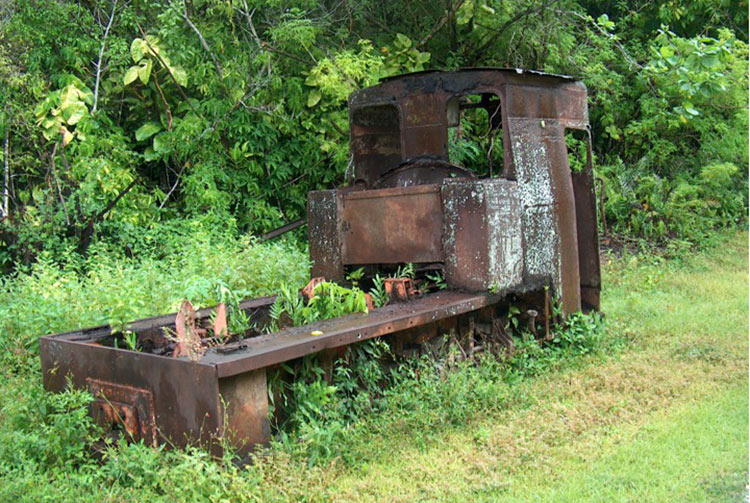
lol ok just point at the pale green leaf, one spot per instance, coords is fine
(67, 136)
(313, 98)
(131, 75)
(487, 8)
(710, 61)
(180, 75)
(74, 112)
(465, 13)
(402, 41)
(144, 72)
(147, 130)
(49, 122)
(137, 48)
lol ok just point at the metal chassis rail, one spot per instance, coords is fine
(223, 396)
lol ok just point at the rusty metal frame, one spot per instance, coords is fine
(223, 395)
(560, 239)
(533, 227)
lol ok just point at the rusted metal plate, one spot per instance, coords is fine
(482, 234)
(128, 406)
(267, 350)
(245, 400)
(392, 226)
(422, 171)
(186, 405)
(588, 235)
(546, 193)
(420, 102)
(324, 219)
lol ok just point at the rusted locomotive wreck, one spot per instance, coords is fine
(525, 228)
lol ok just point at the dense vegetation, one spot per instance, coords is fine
(120, 120)
(569, 421)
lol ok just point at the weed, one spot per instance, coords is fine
(378, 294)
(437, 279)
(131, 340)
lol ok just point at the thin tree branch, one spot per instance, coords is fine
(177, 180)
(88, 231)
(6, 186)
(203, 43)
(116, 200)
(169, 72)
(266, 45)
(249, 17)
(101, 56)
(164, 100)
(526, 12)
(441, 23)
(57, 181)
(610, 36)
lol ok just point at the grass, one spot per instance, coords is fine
(662, 415)
(590, 432)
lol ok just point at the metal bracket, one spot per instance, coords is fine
(130, 407)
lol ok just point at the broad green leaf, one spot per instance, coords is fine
(74, 112)
(137, 49)
(150, 155)
(144, 72)
(161, 143)
(710, 61)
(147, 130)
(153, 42)
(49, 122)
(180, 75)
(402, 41)
(51, 132)
(465, 13)
(86, 95)
(131, 75)
(313, 98)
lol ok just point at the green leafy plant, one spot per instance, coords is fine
(329, 301)
(131, 340)
(437, 279)
(377, 292)
(405, 271)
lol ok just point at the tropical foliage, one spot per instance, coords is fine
(119, 117)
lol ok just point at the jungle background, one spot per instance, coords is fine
(147, 144)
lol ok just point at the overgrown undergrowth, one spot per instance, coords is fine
(335, 428)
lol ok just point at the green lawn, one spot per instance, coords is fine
(665, 420)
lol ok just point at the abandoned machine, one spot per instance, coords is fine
(520, 230)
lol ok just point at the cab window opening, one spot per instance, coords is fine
(475, 138)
